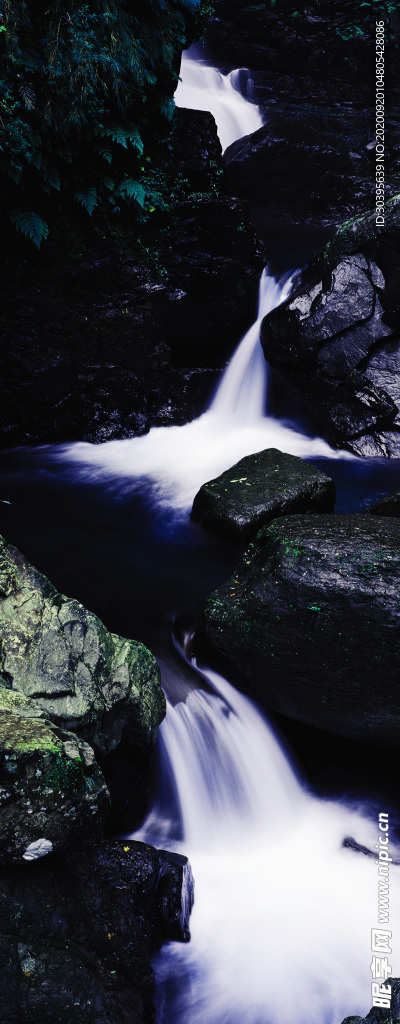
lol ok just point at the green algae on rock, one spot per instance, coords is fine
(258, 489)
(61, 655)
(53, 796)
(104, 688)
(309, 624)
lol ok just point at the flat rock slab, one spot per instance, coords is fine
(258, 489)
(310, 624)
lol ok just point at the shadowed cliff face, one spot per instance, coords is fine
(103, 338)
(313, 74)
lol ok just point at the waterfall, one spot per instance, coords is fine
(281, 927)
(242, 392)
(178, 460)
(204, 88)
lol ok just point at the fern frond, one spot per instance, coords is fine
(87, 199)
(122, 136)
(31, 225)
(131, 189)
(27, 95)
(52, 179)
(14, 171)
(105, 153)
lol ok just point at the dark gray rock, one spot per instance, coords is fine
(382, 1015)
(389, 506)
(309, 173)
(99, 347)
(306, 55)
(309, 625)
(77, 931)
(98, 685)
(338, 341)
(175, 896)
(259, 488)
(53, 796)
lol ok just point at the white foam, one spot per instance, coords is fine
(179, 459)
(281, 927)
(205, 88)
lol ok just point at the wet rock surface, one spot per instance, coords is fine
(76, 933)
(313, 172)
(313, 163)
(337, 340)
(258, 489)
(382, 1015)
(104, 337)
(53, 796)
(389, 506)
(102, 687)
(305, 54)
(309, 625)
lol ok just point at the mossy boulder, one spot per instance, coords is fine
(258, 489)
(310, 624)
(53, 796)
(104, 688)
(77, 932)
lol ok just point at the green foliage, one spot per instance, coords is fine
(356, 18)
(81, 90)
(31, 225)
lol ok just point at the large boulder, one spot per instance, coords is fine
(53, 796)
(100, 686)
(337, 339)
(77, 932)
(310, 624)
(259, 488)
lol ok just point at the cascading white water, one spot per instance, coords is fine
(243, 390)
(178, 460)
(205, 88)
(281, 927)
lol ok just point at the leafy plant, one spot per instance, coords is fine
(82, 89)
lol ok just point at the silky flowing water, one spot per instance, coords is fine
(281, 926)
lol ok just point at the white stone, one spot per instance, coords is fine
(38, 849)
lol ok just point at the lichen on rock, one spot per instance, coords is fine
(53, 796)
(102, 687)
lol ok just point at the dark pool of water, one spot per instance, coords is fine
(139, 566)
